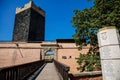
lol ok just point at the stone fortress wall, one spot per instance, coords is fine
(15, 53)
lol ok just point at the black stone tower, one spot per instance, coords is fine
(29, 23)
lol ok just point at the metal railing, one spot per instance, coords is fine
(62, 69)
(20, 72)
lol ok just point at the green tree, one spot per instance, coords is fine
(109, 12)
(87, 22)
(89, 62)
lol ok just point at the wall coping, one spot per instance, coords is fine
(85, 74)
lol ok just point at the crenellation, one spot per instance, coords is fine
(30, 5)
(20, 9)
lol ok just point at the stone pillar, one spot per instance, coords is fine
(109, 44)
(40, 54)
(43, 55)
(55, 54)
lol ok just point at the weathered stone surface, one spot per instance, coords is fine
(95, 75)
(109, 47)
(21, 27)
(36, 27)
(29, 26)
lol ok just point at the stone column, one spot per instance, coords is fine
(43, 55)
(109, 44)
(55, 54)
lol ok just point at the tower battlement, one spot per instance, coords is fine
(30, 5)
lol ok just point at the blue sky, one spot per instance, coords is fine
(58, 16)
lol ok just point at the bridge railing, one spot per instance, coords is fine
(62, 69)
(20, 72)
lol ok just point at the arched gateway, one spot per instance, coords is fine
(49, 47)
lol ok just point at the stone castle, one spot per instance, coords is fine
(28, 43)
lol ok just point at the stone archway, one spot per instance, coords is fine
(49, 55)
(49, 47)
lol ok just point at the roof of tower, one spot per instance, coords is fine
(30, 5)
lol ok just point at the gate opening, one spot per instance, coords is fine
(49, 56)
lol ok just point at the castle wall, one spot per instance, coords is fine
(12, 53)
(71, 52)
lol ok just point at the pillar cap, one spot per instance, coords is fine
(106, 28)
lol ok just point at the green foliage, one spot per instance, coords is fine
(108, 11)
(87, 22)
(89, 62)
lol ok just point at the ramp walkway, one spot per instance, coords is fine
(49, 72)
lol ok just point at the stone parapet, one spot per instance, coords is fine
(30, 5)
(95, 75)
